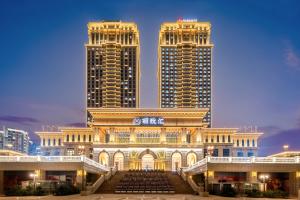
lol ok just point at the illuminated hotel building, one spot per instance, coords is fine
(113, 65)
(184, 65)
(177, 134)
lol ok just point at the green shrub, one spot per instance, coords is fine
(275, 194)
(39, 191)
(66, 189)
(253, 193)
(228, 192)
(28, 191)
(267, 194)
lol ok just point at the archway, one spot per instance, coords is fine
(191, 158)
(119, 161)
(147, 161)
(176, 161)
(103, 158)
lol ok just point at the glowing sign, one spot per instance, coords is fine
(180, 19)
(148, 121)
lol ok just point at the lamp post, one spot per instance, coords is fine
(81, 149)
(264, 178)
(210, 150)
(285, 147)
(33, 175)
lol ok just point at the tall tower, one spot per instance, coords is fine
(113, 64)
(184, 65)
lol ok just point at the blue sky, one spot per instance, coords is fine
(256, 60)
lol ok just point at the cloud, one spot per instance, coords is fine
(292, 59)
(76, 124)
(269, 131)
(19, 119)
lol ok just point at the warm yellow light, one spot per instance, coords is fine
(298, 174)
(286, 147)
(210, 173)
(254, 174)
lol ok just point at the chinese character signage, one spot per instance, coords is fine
(148, 121)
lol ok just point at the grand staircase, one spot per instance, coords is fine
(180, 186)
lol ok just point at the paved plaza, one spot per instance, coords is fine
(129, 197)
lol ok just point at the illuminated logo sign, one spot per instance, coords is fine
(148, 121)
(180, 19)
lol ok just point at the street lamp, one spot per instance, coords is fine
(285, 147)
(33, 175)
(81, 149)
(210, 150)
(264, 178)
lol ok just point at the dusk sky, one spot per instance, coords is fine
(256, 61)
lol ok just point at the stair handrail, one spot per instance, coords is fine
(192, 183)
(92, 189)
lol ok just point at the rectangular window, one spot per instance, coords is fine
(240, 154)
(226, 152)
(215, 153)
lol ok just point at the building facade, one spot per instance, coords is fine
(184, 65)
(15, 140)
(113, 65)
(149, 139)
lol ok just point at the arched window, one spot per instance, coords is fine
(223, 138)
(54, 142)
(243, 143)
(218, 138)
(238, 143)
(73, 138)
(176, 161)
(90, 138)
(59, 141)
(248, 143)
(44, 142)
(68, 138)
(191, 158)
(49, 142)
(78, 138)
(229, 139)
(84, 138)
(253, 143)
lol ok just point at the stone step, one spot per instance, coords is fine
(180, 186)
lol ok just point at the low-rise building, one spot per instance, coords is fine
(148, 138)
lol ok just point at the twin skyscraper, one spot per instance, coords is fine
(183, 71)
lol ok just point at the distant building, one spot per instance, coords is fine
(15, 140)
(34, 149)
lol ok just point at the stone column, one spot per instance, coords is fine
(198, 136)
(209, 178)
(163, 135)
(81, 179)
(252, 177)
(294, 183)
(183, 135)
(132, 135)
(1, 182)
(41, 174)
